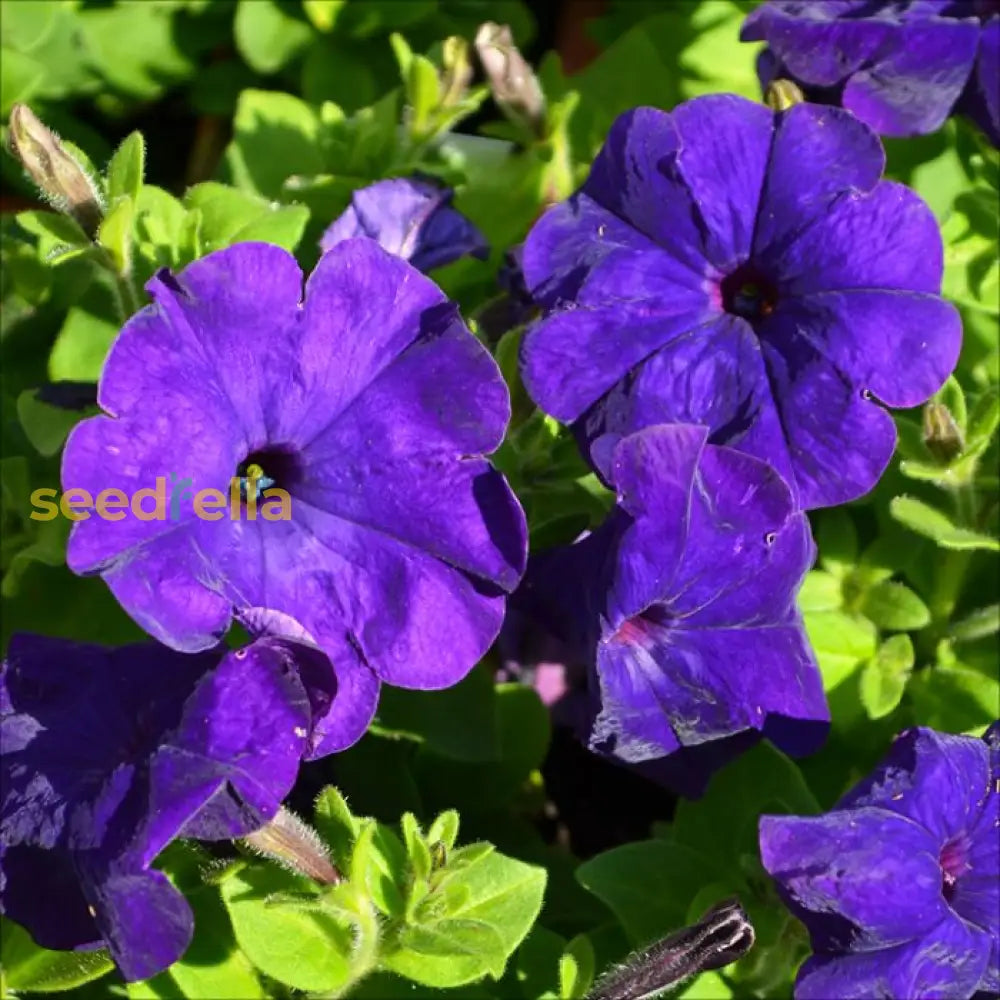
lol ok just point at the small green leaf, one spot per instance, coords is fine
(417, 851)
(841, 640)
(45, 426)
(444, 829)
(81, 346)
(820, 591)
(229, 216)
(323, 13)
(576, 968)
(115, 233)
(29, 968)
(306, 949)
(936, 525)
(127, 169)
(266, 36)
(893, 606)
(884, 677)
(53, 227)
(490, 907)
(336, 826)
(978, 625)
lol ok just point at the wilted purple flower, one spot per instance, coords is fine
(902, 67)
(410, 218)
(370, 404)
(110, 754)
(899, 885)
(745, 269)
(683, 603)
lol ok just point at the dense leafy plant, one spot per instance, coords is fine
(466, 844)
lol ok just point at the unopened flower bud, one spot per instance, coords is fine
(783, 94)
(61, 179)
(513, 82)
(296, 846)
(456, 72)
(723, 935)
(942, 435)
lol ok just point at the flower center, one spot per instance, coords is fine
(748, 293)
(954, 861)
(274, 466)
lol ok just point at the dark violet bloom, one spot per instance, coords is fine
(684, 604)
(411, 218)
(899, 885)
(370, 405)
(744, 269)
(110, 754)
(901, 66)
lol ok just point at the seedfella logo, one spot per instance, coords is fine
(167, 500)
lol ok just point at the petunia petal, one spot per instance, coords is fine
(363, 307)
(886, 238)
(912, 88)
(725, 147)
(862, 879)
(818, 153)
(840, 440)
(863, 334)
(939, 780)
(947, 961)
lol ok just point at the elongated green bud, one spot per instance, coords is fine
(296, 846)
(942, 435)
(512, 81)
(63, 181)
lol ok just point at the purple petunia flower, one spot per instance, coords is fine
(744, 269)
(902, 67)
(899, 885)
(110, 754)
(370, 404)
(683, 604)
(410, 218)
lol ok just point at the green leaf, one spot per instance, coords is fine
(127, 169)
(229, 216)
(536, 964)
(323, 13)
(954, 698)
(576, 968)
(648, 885)
(115, 233)
(306, 949)
(884, 677)
(978, 624)
(893, 606)
(841, 640)
(212, 968)
(45, 426)
(266, 36)
(29, 968)
(820, 591)
(265, 122)
(136, 47)
(81, 346)
(53, 227)
(936, 525)
(336, 826)
(489, 907)
(458, 722)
